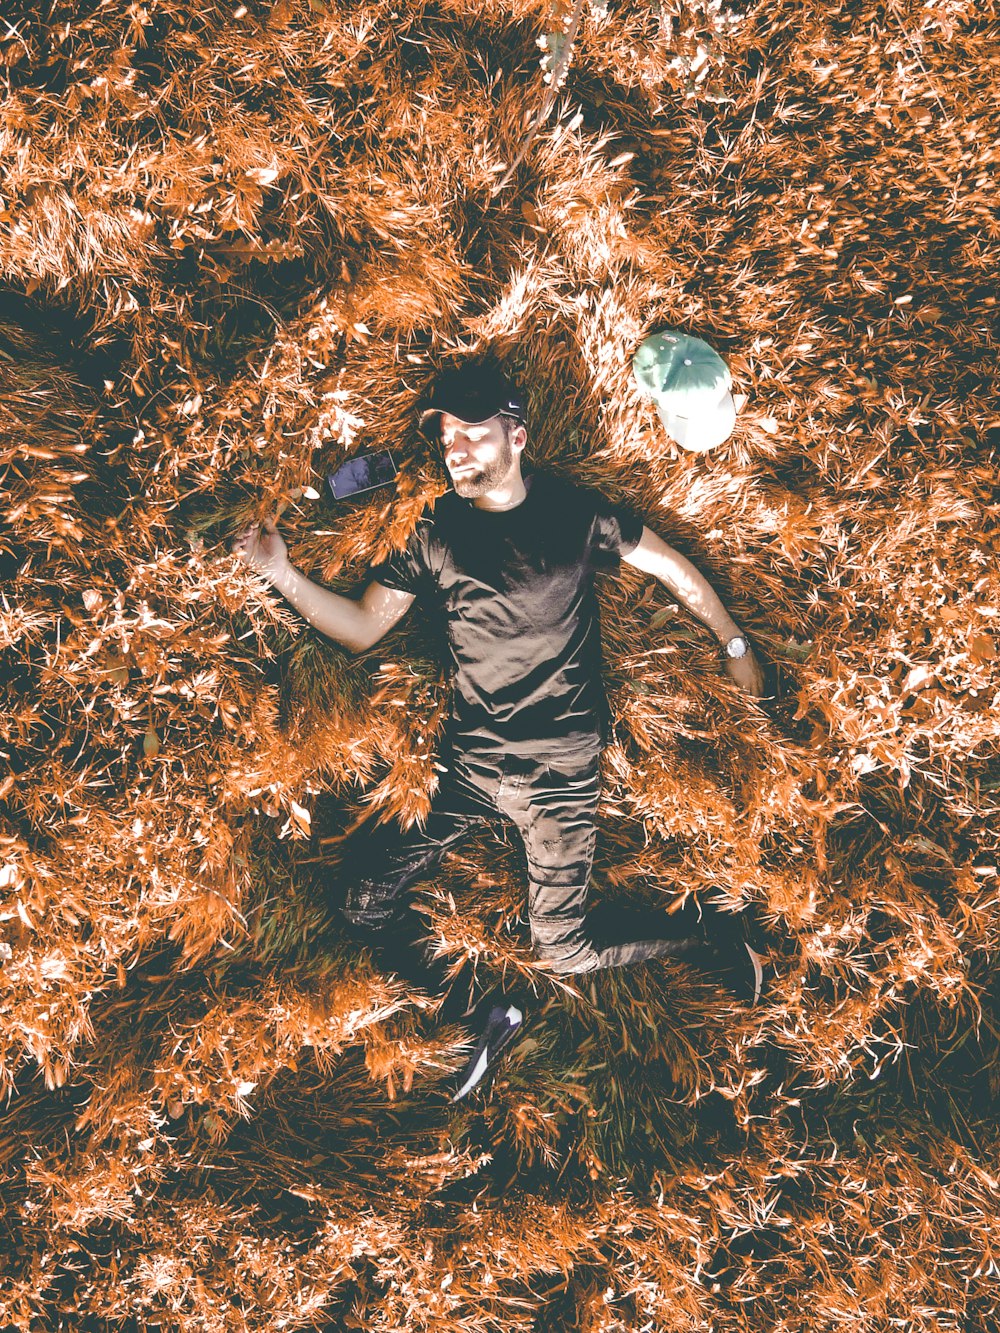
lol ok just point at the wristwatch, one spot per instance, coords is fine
(737, 646)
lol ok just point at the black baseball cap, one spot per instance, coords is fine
(473, 392)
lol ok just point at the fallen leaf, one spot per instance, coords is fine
(798, 652)
(660, 618)
(917, 677)
(263, 175)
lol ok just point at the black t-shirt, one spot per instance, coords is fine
(515, 589)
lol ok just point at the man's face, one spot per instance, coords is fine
(479, 458)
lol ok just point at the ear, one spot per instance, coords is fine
(518, 438)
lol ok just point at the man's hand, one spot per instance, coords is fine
(747, 672)
(263, 548)
(354, 625)
(692, 589)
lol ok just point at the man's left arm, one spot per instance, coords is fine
(693, 591)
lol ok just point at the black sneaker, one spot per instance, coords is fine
(743, 972)
(735, 944)
(503, 1023)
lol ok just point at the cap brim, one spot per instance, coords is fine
(426, 417)
(705, 431)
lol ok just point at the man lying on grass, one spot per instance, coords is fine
(510, 557)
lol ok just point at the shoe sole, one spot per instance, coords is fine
(484, 1060)
(757, 963)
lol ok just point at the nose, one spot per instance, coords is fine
(455, 447)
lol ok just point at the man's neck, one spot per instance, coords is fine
(508, 495)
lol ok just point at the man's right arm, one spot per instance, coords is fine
(356, 625)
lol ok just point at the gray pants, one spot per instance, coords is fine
(552, 803)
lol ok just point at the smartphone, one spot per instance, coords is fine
(363, 473)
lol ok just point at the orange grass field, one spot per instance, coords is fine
(238, 241)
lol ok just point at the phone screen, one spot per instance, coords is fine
(363, 473)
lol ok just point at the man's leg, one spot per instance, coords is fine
(377, 906)
(555, 809)
(382, 868)
(379, 913)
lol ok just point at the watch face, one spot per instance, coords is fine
(737, 647)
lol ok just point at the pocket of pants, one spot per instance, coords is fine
(573, 777)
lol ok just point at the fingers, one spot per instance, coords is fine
(242, 543)
(760, 679)
(748, 674)
(267, 526)
(248, 542)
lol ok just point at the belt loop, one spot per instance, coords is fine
(510, 778)
(505, 776)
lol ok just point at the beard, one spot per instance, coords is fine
(484, 480)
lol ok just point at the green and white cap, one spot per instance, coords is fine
(691, 387)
